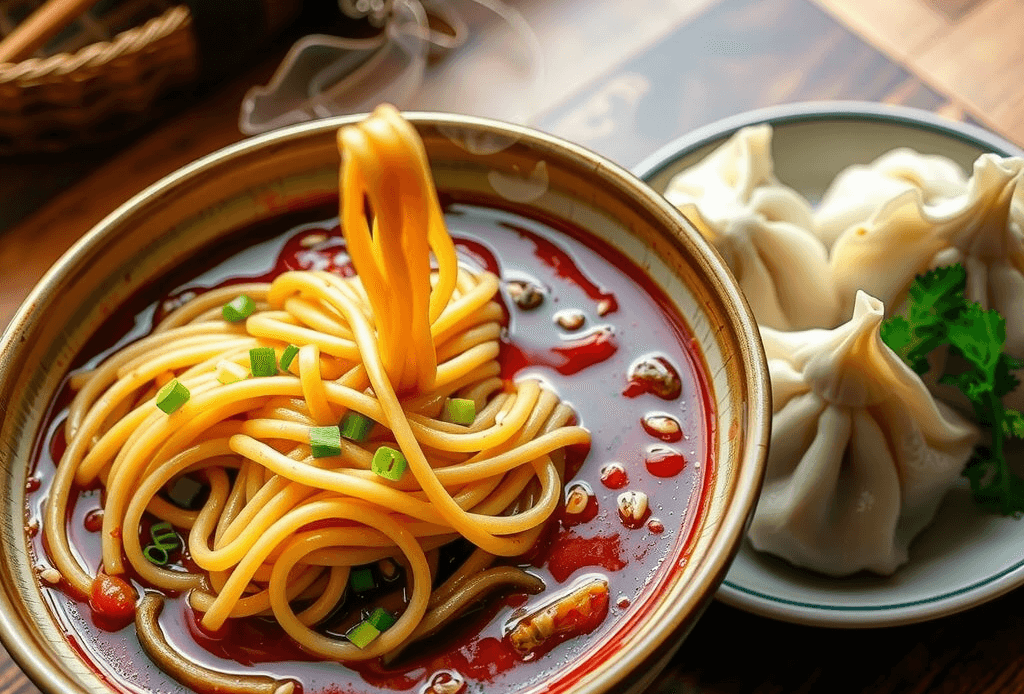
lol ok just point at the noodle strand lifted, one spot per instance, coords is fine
(279, 526)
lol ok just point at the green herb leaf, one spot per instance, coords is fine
(936, 298)
(938, 293)
(979, 336)
(1013, 424)
(1006, 382)
(994, 487)
(897, 334)
(939, 315)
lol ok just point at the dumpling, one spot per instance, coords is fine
(762, 229)
(859, 191)
(724, 184)
(983, 229)
(861, 454)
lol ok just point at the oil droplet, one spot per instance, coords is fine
(622, 602)
(634, 509)
(570, 318)
(94, 520)
(662, 426)
(656, 375)
(446, 682)
(614, 476)
(664, 461)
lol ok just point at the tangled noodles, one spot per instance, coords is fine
(280, 529)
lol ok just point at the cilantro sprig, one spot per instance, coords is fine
(939, 315)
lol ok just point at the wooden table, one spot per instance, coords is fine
(624, 78)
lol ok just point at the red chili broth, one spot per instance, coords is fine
(627, 317)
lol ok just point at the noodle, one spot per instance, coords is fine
(279, 530)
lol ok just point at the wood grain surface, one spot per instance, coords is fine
(624, 78)
(970, 50)
(736, 56)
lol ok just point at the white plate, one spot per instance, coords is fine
(965, 557)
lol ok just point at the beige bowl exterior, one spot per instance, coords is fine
(171, 222)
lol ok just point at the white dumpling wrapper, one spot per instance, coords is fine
(861, 454)
(762, 229)
(982, 229)
(858, 191)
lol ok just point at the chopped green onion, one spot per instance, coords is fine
(459, 411)
(263, 361)
(230, 372)
(288, 356)
(389, 463)
(356, 426)
(362, 634)
(381, 619)
(172, 396)
(238, 309)
(163, 534)
(185, 492)
(325, 441)
(164, 538)
(361, 580)
(156, 555)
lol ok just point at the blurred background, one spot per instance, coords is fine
(107, 86)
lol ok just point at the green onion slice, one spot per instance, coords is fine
(163, 534)
(389, 463)
(288, 356)
(238, 309)
(362, 634)
(172, 396)
(459, 411)
(381, 619)
(263, 361)
(164, 539)
(230, 372)
(356, 426)
(325, 441)
(360, 579)
(156, 555)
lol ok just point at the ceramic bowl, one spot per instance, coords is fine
(177, 220)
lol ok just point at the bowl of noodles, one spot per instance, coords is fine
(498, 425)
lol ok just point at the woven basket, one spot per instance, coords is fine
(101, 76)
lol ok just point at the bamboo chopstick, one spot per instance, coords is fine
(40, 27)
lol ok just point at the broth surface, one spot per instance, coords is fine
(625, 319)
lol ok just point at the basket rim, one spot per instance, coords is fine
(99, 53)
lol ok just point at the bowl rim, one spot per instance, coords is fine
(755, 414)
(817, 111)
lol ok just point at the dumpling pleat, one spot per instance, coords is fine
(861, 453)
